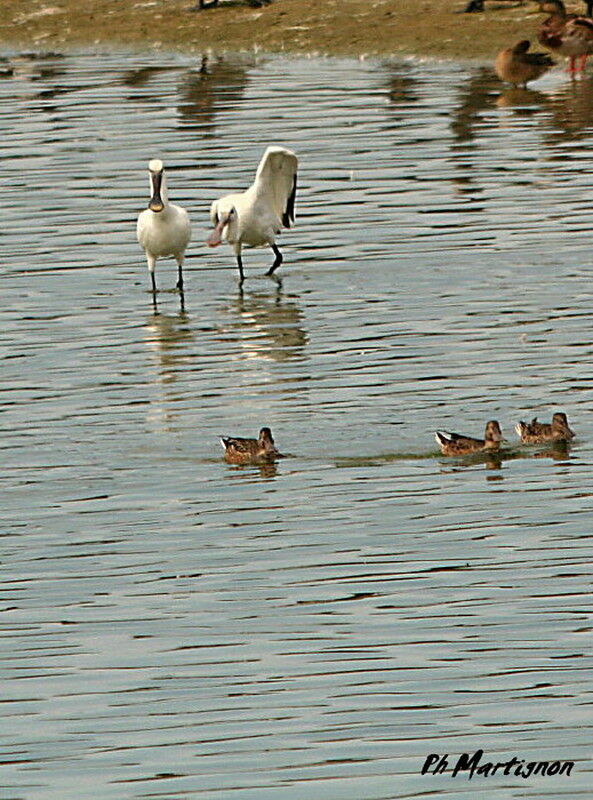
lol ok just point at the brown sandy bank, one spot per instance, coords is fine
(336, 27)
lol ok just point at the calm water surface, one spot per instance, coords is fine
(175, 627)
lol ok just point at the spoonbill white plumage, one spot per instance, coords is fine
(163, 228)
(256, 216)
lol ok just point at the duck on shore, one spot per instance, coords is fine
(567, 34)
(203, 4)
(478, 5)
(517, 66)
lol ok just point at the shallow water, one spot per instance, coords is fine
(176, 627)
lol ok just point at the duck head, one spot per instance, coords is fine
(560, 425)
(265, 439)
(493, 435)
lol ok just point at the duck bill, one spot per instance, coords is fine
(156, 201)
(215, 237)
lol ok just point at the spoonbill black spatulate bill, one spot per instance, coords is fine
(163, 228)
(255, 217)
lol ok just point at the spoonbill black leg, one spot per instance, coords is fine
(240, 265)
(180, 276)
(277, 261)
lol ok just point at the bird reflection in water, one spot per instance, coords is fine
(558, 451)
(168, 337)
(218, 85)
(40, 78)
(267, 326)
(571, 112)
(246, 471)
(140, 77)
(568, 110)
(493, 462)
(529, 101)
(468, 120)
(401, 92)
(474, 98)
(490, 461)
(33, 66)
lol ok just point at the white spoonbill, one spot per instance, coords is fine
(163, 228)
(256, 216)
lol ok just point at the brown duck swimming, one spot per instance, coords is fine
(535, 432)
(453, 444)
(250, 451)
(515, 65)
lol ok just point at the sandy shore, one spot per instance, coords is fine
(336, 27)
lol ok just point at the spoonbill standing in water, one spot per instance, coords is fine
(256, 216)
(163, 228)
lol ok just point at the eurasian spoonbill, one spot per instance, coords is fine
(163, 228)
(256, 216)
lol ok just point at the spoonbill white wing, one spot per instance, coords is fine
(275, 180)
(255, 217)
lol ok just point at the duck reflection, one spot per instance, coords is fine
(572, 112)
(218, 85)
(401, 90)
(489, 461)
(246, 471)
(267, 326)
(475, 97)
(168, 336)
(139, 77)
(569, 109)
(32, 66)
(30, 70)
(493, 462)
(524, 101)
(558, 451)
